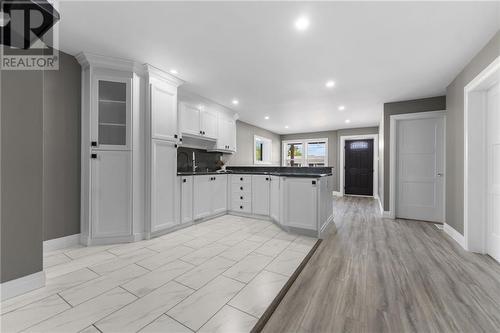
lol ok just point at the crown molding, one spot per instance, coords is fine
(87, 60)
(153, 71)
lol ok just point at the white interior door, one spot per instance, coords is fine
(493, 172)
(420, 169)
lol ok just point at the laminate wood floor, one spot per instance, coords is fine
(383, 275)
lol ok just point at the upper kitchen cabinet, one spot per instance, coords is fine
(110, 114)
(208, 122)
(162, 104)
(190, 119)
(226, 140)
(198, 121)
(205, 120)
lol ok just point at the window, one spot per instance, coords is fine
(262, 150)
(305, 153)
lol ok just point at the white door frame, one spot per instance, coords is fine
(343, 139)
(475, 159)
(393, 158)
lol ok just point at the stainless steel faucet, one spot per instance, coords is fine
(194, 162)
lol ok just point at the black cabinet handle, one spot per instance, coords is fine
(214, 178)
(241, 178)
(314, 182)
(180, 139)
(184, 180)
(175, 136)
(175, 146)
(241, 198)
(267, 178)
(93, 143)
(241, 207)
(201, 132)
(93, 156)
(241, 188)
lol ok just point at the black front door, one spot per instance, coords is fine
(359, 167)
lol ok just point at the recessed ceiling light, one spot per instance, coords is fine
(302, 23)
(286, 126)
(174, 71)
(330, 84)
(341, 108)
(266, 117)
(235, 102)
(347, 121)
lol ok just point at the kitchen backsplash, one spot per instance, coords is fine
(204, 160)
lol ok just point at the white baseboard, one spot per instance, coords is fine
(380, 205)
(337, 194)
(61, 243)
(388, 214)
(22, 285)
(457, 237)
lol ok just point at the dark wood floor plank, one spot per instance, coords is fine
(383, 275)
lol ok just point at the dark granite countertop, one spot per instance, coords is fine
(313, 172)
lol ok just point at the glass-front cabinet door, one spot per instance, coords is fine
(111, 116)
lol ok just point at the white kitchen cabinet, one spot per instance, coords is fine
(227, 133)
(164, 186)
(202, 198)
(219, 194)
(209, 124)
(163, 104)
(275, 199)
(198, 122)
(190, 119)
(111, 194)
(110, 116)
(300, 197)
(260, 194)
(186, 187)
(210, 195)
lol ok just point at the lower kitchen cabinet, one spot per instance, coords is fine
(164, 209)
(186, 195)
(111, 194)
(210, 195)
(300, 203)
(275, 199)
(260, 194)
(202, 198)
(219, 194)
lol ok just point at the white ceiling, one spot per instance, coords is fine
(376, 52)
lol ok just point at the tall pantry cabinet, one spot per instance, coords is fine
(126, 117)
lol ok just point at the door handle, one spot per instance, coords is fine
(440, 174)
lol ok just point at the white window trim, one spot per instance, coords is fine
(304, 142)
(270, 153)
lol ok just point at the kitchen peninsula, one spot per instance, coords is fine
(297, 199)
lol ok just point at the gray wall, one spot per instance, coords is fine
(245, 145)
(40, 163)
(333, 144)
(61, 149)
(21, 173)
(412, 106)
(455, 132)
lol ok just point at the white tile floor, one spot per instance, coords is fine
(217, 276)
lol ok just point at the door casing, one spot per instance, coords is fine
(393, 157)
